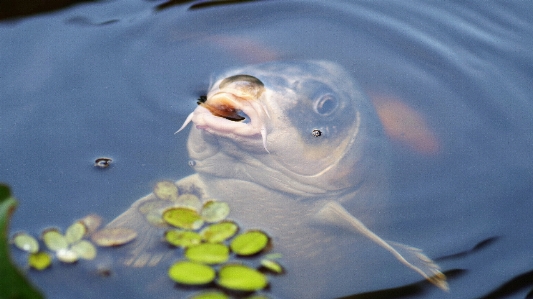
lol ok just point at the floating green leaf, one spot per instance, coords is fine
(219, 232)
(75, 232)
(113, 236)
(166, 190)
(209, 295)
(153, 211)
(208, 253)
(241, 278)
(215, 211)
(39, 260)
(182, 238)
(183, 218)
(272, 266)
(155, 219)
(189, 200)
(91, 222)
(25, 242)
(191, 273)
(249, 243)
(54, 240)
(67, 255)
(84, 249)
(273, 256)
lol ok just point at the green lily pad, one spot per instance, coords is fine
(114, 236)
(190, 201)
(183, 218)
(54, 240)
(75, 232)
(208, 253)
(91, 223)
(25, 242)
(249, 243)
(191, 273)
(182, 238)
(67, 255)
(166, 190)
(154, 205)
(153, 211)
(84, 249)
(215, 211)
(272, 266)
(219, 232)
(210, 295)
(241, 278)
(39, 260)
(273, 256)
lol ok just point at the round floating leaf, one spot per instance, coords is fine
(153, 205)
(215, 211)
(166, 190)
(25, 242)
(209, 295)
(219, 232)
(191, 273)
(241, 278)
(208, 253)
(189, 200)
(155, 219)
(273, 256)
(182, 238)
(75, 232)
(153, 211)
(84, 249)
(54, 240)
(67, 256)
(249, 243)
(258, 296)
(272, 266)
(183, 218)
(113, 236)
(39, 260)
(91, 222)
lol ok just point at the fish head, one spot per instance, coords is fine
(302, 127)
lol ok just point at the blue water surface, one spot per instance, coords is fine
(117, 78)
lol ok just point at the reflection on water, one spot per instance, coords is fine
(454, 80)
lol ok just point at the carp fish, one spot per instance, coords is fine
(297, 149)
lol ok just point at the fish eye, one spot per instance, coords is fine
(326, 104)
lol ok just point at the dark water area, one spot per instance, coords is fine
(117, 79)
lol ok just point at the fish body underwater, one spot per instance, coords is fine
(296, 149)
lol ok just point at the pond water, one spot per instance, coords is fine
(117, 78)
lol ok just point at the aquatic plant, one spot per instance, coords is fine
(13, 283)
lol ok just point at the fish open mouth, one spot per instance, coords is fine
(224, 110)
(232, 108)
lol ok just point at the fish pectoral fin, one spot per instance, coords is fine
(415, 259)
(334, 214)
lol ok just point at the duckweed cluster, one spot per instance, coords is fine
(212, 246)
(67, 248)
